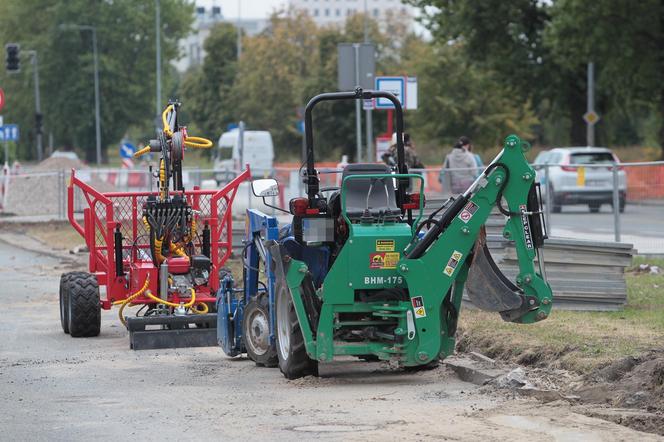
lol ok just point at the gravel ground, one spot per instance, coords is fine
(55, 387)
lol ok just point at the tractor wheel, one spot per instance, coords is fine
(256, 334)
(293, 359)
(83, 306)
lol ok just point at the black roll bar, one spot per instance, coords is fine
(311, 178)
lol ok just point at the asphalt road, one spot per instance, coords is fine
(55, 387)
(641, 225)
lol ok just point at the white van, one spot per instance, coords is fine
(258, 152)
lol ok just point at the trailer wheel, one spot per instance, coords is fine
(256, 333)
(64, 298)
(293, 359)
(83, 306)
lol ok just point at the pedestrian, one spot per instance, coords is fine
(410, 155)
(478, 160)
(458, 171)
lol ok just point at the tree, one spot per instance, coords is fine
(507, 38)
(126, 59)
(625, 40)
(206, 89)
(461, 99)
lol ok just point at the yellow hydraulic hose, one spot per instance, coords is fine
(192, 233)
(157, 250)
(172, 304)
(164, 120)
(198, 143)
(143, 151)
(178, 250)
(128, 300)
(163, 185)
(203, 310)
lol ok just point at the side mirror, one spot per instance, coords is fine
(265, 187)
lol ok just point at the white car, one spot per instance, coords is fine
(571, 183)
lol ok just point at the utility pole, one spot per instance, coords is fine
(157, 24)
(358, 108)
(369, 113)
(38, 114)
(95, 55)
(590, 125)
(239, 29)
(97, 104)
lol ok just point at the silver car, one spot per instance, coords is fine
(580, 175)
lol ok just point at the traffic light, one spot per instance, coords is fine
(12, 59)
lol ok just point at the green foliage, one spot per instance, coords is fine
(125, 34)
(462, 99)
(540, 51)
(206, 89)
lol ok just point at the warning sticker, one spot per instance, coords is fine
(452, 263)
(526, 226)
(418, 307)
(384, 260)
(391, 260)
(468, 211)
(377, 261)
(384, 245)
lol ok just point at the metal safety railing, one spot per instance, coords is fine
(575, 196)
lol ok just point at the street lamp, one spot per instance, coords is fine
(96, 73)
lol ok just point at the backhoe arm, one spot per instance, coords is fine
(436, 267)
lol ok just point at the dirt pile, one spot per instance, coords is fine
(58, 163)
(629, 391)
(634, 382)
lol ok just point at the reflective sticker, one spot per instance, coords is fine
(468, 211)
(385, 245)
(526, 226)
(452, 263)
(418, 307)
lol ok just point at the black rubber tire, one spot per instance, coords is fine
(623, 203)
(64, 298)
(84, 307)
(269, 357)
(297, 363)
(594, 207)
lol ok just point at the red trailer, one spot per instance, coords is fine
(120, 258)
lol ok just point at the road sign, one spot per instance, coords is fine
(346, 75)
(2, 100)
(411, 93)
(396, 86)
(127, 150)
(9, 132)
(591, 117)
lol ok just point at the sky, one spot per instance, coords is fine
(249, 8)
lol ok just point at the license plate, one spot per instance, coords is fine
(594, 183)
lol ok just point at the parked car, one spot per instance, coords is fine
(571, 183)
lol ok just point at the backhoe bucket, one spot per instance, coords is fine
(487, 287)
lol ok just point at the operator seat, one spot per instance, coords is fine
(358, 198)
